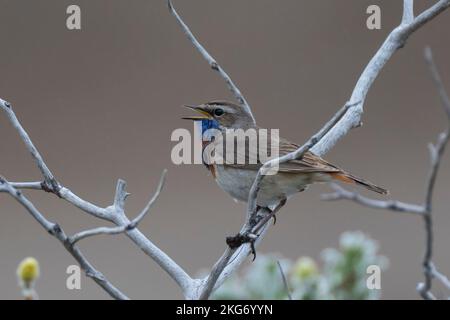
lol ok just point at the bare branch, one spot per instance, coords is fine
(211, 61)
(84, 205)
(228, 263)
(216, 272)
(393, 205)
(299, 153)
(50, 184)
(427, 295)
(184, 281)
(437, 80)
(436, 153)
(396, 39)
(425, 210)
(152, 200)
(49, 179)
(426, 16)
(27, 185)
(336, 128)
(97, 231)
(326, 138)
(408, 11)
(113, 214)
(439, 276)
(121, 195)
(55, 230)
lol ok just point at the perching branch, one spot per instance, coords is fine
(424, 210)
(394, 41)
(299, 153)
(346, 119)
(327, 137)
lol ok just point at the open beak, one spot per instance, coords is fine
(203, 114)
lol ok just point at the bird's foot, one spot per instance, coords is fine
(257, 217)
(274, 217)
(276, 209)
(236, 241)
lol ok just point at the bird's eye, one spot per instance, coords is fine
(218, 112)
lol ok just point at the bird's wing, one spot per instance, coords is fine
(308, 163)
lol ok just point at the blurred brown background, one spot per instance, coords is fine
(101, 103)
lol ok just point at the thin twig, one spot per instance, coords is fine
(350, 119)
(395, 40)
(195, 288)
(297, 154)
(425, 210)
(55, 230)
(121, 229)
(27, 185)
(97, 231)
(441, 277)
(437, 80)
(112, 213)
(285, 283)
(228, 263)
(211, 61)
(436, 153)
(393, 205)
(49, 179)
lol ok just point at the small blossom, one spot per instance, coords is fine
(28, 271)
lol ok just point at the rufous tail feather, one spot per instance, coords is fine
(348, 178)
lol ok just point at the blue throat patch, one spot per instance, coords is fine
(209, 124)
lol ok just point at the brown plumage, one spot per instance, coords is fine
(293, 176)
(309, 163)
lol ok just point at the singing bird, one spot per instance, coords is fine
(292, 177)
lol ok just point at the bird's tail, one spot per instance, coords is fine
(349, 178)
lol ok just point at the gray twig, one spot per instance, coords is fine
(114, 213)
(56, 231)
(393, 205)
(436, 153)
(408, 11)
(285, 283)
(232, 258)
(211, 61)
(425, 210)
(121, 229)
(395, 40)
(325, 139)
(299, 153)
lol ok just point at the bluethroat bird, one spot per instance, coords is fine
(292, 177)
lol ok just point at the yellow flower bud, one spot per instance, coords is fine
(28, 270)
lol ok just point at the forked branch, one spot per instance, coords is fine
(341, 124)
(424, 210)
(347, 118)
